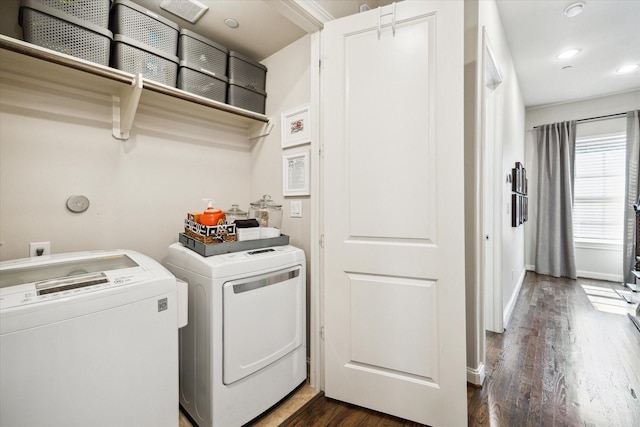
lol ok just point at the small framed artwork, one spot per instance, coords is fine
(296, 173)
(296, 127)
(515, 211)
(521, 208)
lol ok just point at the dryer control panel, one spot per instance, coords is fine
(257, 253)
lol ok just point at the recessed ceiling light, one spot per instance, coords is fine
(568, 53)
(231, 23)
(628, 68)
(574, 9)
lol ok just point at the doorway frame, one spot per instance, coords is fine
(492, 299)
(316, 302)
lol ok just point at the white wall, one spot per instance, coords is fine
(509, 125)
(56, 142)
(603, 264)
(512, 151)
(509, 149)
(473, 295)
(288, 87)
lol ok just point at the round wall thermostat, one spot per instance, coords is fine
(77, 204)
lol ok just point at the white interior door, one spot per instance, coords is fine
(491, 185)
(392, 132)
(487, 211)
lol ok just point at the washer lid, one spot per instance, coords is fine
(37, 280)
(61, 271)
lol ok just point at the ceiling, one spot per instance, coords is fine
(265, 26)
(607, 31)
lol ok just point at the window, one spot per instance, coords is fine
(598, 206)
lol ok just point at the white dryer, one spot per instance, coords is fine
(89, 339)
(244, 347)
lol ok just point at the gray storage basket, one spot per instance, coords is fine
(202, 53)
(201, 83)
(94, 11)
(240, 95)
(244, 69)
(134, 57)
(137, 23)
(59, 31)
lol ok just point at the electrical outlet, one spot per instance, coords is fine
(39, 249)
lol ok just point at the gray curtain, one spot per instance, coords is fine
(632, 190)
(555, 251)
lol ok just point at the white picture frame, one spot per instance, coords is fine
(296, 173)
(296, 127)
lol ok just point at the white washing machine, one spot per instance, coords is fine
(89, 339)
(244, 347)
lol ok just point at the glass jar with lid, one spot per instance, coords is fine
(267, 212)
(235, 213)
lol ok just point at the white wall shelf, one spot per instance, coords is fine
(19, 57)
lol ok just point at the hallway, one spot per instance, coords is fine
(561, 361)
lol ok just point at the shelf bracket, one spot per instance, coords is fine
(125, 107)
(259, 130)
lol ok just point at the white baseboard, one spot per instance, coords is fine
(600, 276)
(508, 311)
(475, 376)
(589, 274)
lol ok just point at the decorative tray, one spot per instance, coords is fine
(227, 247)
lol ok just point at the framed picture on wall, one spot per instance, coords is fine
(521, 208)
(296, 173)
(296, 127)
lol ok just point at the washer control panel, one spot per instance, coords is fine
(39, 282)
(68, 287)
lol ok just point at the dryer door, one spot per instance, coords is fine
(263, 320)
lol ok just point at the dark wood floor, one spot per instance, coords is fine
(561, 362)
(325, 412)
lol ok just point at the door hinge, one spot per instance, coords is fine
(322, 241)
(322, 333)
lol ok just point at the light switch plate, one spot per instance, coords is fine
(296, 209)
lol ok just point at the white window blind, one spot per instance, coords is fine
(599, 189)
